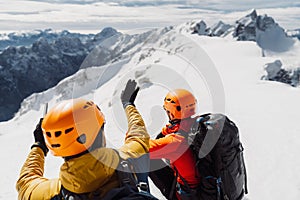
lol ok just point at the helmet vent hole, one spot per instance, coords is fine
(55, 145)
(48, 134)
(81, 139)
(88, 104)
(178, 108)
(68, 130)
(57, 133)
(85, 106)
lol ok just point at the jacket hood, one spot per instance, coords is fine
(90, 171)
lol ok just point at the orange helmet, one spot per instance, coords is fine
(180, 104)
(71, 127)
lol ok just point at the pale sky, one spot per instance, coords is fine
(92, 15)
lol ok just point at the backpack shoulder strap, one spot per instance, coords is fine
(133, 173)
(68, 195)
(125, 175)
(199, 124)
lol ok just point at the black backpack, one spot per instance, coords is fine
(133, 183)
(133, 177)
(214, 139)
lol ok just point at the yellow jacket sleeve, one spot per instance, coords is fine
(31, 183)
(137, 137)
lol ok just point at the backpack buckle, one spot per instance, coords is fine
(142, 186)
(240, 147)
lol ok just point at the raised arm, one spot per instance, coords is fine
(137, 138)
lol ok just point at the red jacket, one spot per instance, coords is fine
(175, 148)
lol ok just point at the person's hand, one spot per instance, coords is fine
(39, 140)
(129, 93)
(170, 128)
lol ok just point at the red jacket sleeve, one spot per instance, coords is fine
(170, 147)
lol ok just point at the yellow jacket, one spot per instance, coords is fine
(94, 171)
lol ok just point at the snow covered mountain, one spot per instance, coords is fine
(253, 27)
(28, 38)
(223, 73)
(47, 56)
(35, 68)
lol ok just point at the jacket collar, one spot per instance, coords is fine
(90, 171)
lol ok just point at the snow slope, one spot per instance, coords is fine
(224, 76)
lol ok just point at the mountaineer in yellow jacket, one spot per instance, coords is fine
(74, 130)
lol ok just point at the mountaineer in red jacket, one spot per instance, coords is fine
(180, 174)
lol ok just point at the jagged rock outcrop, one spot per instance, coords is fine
(245, 28)
(220, 29)
(200, 28)
(275, 72)
(264, 30)
(261, 29)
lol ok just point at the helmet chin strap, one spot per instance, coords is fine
(183, 124)
(174, 121)
(169, 116)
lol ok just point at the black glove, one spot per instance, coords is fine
(160, 135)
(39, 138)
(129, 93)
